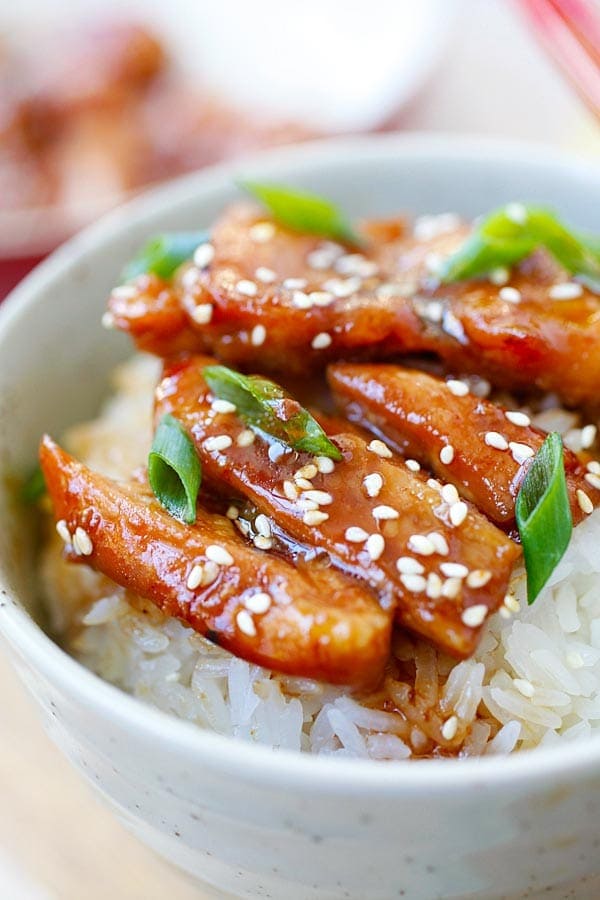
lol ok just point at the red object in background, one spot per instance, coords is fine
(13, 270)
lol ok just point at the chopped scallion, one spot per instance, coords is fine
(34, 487)
(174, 470)
(164, 254)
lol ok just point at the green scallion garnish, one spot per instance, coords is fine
(174, 470)
(34, 487)
(303, 211)
(164, 254)
(267, 408)
(510, 234)
(544, 515)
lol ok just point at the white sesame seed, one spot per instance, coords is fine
(439, 542)
(321, 497)
(258, 603)
(499, 275)
(375, 546)
(451, 588)
(516, 212)
(314, 517)
(520, 452)
(108, 320)
(217, 443)
(195, 577)
(301, 300)
(290, 490)
(263, 525)
(575, 660)
(510, 294)
(434, 484)
(222, 406)
(202, 313)
(524, 687)
(211, 572)
(63, 531)
(454, 570)
(325, 465)
(512, 603)
(588, 436)
(458, 388)
(372, 484)
(124, 292)
(434, 586)
(321, 298)
(434, 262)
(320, 259)
(421, 545)
(593, 480)
(356, 535)
(261, 542)
(295, 284)
(450, 494)
(204, 255)
(414, 583)
(308, 471)
(380, 449)
(569, 290)
(518, 418)
(245, 623)
(266, 275)
(408, 565)
(82, 542)
(458, 513)
(303, 483)
(594, 467)
(478, 578)
(504, 613)
(412, 465)
(385, 512)
(475, 615)
(246, 287)
(343, 287)
(449, 728)
(305, 505)
(258, 335)
(432, 310)
(321, 341)
(447, 454)
(245, 438)
(190, 279)
(219, 555)
(232, 512)
(496, 440)
(261, 232)
(585, 504)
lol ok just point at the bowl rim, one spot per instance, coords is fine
(258, 764)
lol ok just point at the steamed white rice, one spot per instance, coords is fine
(534, 680)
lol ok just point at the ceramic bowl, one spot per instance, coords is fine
(246, 820)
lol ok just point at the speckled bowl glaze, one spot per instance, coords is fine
(245, 820)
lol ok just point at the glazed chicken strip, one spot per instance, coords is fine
(305, 620)
(441, 565)
(278, 301)
(482, 449)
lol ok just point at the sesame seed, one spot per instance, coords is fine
(246, 287)
(504, 613)
(290, 490)
(385, 512)
(211, 572)
(510, 294)
(314, 517)
(258, 335)
(320, 259)
(325, 465)
(451, 588)
(261, 232)
(458, 513)
(202, 313)
(263, 525)
(219, 555)
(447, 454)
(343, 287)
(320, 497)
(380, 449)
(434, 484)
(518, 418)
(449, 728)
(204, 255)
(321, 298)
(301, 300)
(454, 570)
(372, 484)
(375, 546)
(217, 443)
(434, 263)
(585, 504)
(478, 578)
(407, 565)
(432, 310)
(474, 615)
(593, 480)
(439, 542)
(524, 687)
(520, 452)
(516, 212)
(434, 586)
(222, 406)
(421, 545)
(412, 465)
(450, 494)
(63, 531)
(307, 504)
(108, 320)
(458, 388)
(190, 279)
(569, 290)
(82, 542)
(245, 438)
(512, 603)
(124, 292)
(321, 341)
(303, 483)
(195, 577)
(414, 583)
(594, 467)
(262, 543)
(499, 275)
(295, 284)
(575, 660)
(496, 440)
(232, 512)
(258, 603)
(307, 471)
(245, 623)
(266, 275)
(356, 535)
(588, 436)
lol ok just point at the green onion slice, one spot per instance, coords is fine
(267, 408)
(164, 254)
(34, 487)
(174, 470)
(504, 239)
(544, 515)
(303, 211)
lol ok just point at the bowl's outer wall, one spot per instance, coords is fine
(258, 837)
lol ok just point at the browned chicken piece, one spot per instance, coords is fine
(304, 619)
(443, 567)
(481, 448)
(280, 301)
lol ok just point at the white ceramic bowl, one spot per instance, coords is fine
(251, 822)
